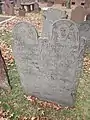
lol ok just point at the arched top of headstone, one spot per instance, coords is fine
(78, 14)
(25, 32)
(65, 29)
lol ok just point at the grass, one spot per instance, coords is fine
(18, 105)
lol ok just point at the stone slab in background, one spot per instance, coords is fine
(49, 68)
(78, 14)
(49, 17)
(84, 31)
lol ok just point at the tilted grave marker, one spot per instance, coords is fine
(49, 17)
(49, 68)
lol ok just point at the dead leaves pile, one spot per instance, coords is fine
(45, 104)
(86, 64)
(5, 115)
(34, 19)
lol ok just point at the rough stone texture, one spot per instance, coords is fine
(88, 17)
(49, 68)
(4, 78)
(84, 29)
(49, 17)
(78, 14)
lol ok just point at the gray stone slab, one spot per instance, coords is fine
(84, 31)
(49, 17)
(49, 68)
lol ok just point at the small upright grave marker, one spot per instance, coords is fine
(78, 14)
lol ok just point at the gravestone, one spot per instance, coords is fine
(36, 7)
(88, 17)
(49, 17)
(4, 78)
(49, 68)
(9, 7)
(78, 14)
(84, 29)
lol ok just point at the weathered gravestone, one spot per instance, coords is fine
(49, 68)
(49, 17)
(84, 31)
(78, 14)
(4, 78)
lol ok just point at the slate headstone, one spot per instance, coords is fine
(49, 68)
(84, 29)
(49, 17)
(78, 14)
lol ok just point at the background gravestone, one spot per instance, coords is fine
(49, 17)
(9, 7)
(84, 29)
(49, 68)
(88, 17)
(78, 14)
